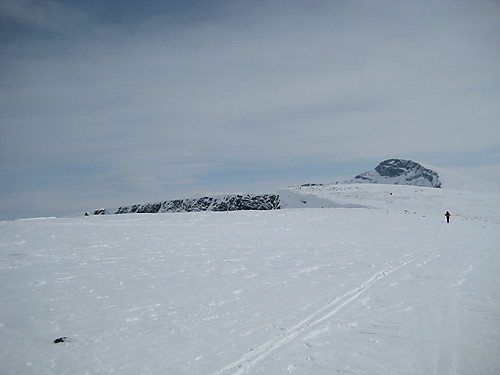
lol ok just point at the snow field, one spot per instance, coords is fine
(295, 291)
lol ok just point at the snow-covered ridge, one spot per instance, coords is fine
(395, 183)
(399, 172)
(349, 194)
(409, 172)
(230, 202)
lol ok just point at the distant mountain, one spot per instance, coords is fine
(399, 172)
(230, 202)
(389, 172)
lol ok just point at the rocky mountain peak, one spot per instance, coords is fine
(399, 172)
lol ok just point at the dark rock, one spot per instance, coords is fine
(311, 185)
(400, 172)
(229, 202)
(100, 211)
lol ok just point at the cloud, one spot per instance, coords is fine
(160, 99)
(39, 14)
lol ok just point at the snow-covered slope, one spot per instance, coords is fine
(409, 172)
(394, 181)
(459, 181)
(400, 198)
(389, 289)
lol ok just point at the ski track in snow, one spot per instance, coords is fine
(260, 354)
(361, 291)
(249, 360)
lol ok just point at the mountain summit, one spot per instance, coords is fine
(399, 172)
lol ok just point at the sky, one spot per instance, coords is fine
(108, 103)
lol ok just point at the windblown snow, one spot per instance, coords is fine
(382, 287)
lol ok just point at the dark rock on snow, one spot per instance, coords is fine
(221, 203)
(399, 172)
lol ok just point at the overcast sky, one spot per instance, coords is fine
(105, 103)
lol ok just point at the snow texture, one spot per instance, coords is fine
(385, 288)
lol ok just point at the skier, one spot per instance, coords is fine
(447, 214)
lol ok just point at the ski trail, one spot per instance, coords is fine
(257, 355)
(447, 359)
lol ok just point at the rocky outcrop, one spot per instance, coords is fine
(220, 203)
(399, 172)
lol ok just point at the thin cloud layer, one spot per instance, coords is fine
(154, 101)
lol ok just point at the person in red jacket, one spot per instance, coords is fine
(447, 214)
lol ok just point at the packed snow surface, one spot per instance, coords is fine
(385, 288)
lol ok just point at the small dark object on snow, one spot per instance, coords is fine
(60, 339)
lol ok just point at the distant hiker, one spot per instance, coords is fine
(447, 214)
